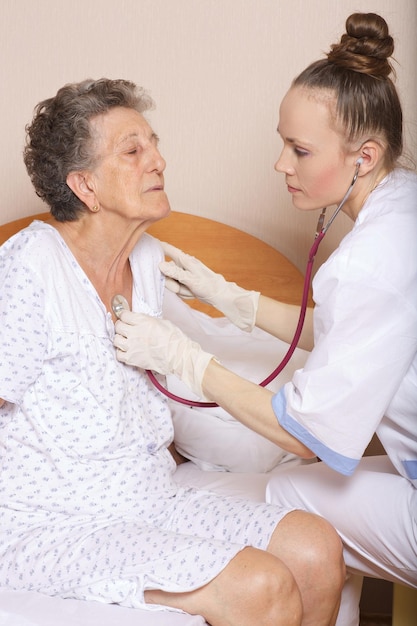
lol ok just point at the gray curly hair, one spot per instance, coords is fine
(59, 140)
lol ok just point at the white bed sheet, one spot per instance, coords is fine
(35, 609)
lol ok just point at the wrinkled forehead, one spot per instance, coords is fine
(117, 129)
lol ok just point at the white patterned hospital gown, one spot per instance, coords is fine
(89, 508)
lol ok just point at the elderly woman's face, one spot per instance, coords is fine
(128, 178)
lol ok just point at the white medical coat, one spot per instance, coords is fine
(361, 376)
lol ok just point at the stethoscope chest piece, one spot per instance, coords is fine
(119, 304)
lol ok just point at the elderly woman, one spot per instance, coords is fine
(89, 508)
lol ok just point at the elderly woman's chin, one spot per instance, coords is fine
(162, 206)
(155, 208)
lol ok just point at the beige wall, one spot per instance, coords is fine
(217, 70)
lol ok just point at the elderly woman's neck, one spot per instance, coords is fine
(103, 254)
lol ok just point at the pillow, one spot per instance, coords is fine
(211, 437)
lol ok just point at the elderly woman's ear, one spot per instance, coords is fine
(80, 185)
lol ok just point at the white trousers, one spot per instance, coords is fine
(375, 513)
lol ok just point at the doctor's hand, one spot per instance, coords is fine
(155, 344)
(189, 278)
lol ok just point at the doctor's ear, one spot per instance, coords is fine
(79, 184)
(370, 155)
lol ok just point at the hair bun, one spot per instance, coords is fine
(365, 47)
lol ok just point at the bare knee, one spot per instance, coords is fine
(269, 591)
(313, 551)
(310, 540)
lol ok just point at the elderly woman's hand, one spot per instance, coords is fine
(156, 344)
(189, 278)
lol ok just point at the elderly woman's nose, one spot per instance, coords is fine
(158, 162)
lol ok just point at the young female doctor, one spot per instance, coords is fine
(341, 127)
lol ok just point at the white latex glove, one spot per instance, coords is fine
(155, 344)
(189, 278)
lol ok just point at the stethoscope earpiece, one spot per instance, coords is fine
(359, 161)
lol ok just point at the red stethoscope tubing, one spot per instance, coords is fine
(320, 232)
(289, 353)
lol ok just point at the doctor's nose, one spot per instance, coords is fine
(283, 165)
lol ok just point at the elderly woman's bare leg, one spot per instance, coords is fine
(313, 551)
(296, 582)
(254, 589)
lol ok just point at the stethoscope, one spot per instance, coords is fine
(119, 303)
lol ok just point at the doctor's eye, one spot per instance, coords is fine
(300, 152)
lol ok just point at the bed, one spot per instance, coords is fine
(214, 459)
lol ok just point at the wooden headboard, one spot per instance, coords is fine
(240, 257)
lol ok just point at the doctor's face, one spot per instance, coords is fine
(317, 168)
